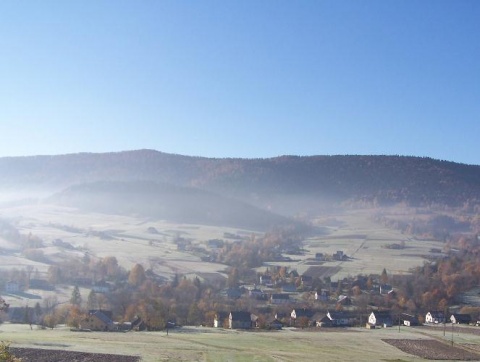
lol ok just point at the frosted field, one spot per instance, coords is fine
(209, 344)
(129, 241)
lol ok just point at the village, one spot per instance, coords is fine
(281, 299)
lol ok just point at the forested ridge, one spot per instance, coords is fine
(372, 179)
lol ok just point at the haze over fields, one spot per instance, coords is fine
(105, 203)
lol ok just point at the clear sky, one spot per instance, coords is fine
(247, 78)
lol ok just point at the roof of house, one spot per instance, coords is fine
(462, 317)
(408, 317)
(107, 313)
(100, 315)
(382, 313)
(222, 315)
(303, 312)
(340, 315)
(280, 296)
(241, 316)
(437, 314)
(289, 288)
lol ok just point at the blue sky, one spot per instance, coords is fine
(241, 78)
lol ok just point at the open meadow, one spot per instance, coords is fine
(209, 344)
(128, 239)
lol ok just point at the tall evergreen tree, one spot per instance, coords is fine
(76, 298)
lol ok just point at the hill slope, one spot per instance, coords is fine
(168, 202)
(279, 183)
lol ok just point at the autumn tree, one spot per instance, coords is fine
(384, 276)
(153, 312)
(137, 275)
(194, 315)
(50, 320)
(75, 315)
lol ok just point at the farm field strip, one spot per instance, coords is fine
(208, 344)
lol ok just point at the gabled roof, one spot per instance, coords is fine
(241, 316)
(102, 317)
(339, 315)
(437, 314)
(280, 296)
(408, 317)
(303, 312)
(107, 313)
(462, 317)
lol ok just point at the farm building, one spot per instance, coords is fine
(409, 320)
(97, 321)
(280, 298)
(457, 318)
(380, 318)
(341, 319)
(240, 320)
(435, 317)
(220, 319)
(298, 313)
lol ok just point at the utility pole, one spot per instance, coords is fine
(444, 320)
(452, 334)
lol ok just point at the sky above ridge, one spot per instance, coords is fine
(241, 78)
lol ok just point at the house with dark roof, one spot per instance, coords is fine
(240, 320)
(97, 321)
(233, 293)
(274, 324)
(380, 318)
(301, 312)
(435, 317)
(341, 319)
(322, 295)
(266, 280)
(457, 318)
(280, 298)
(306, 281)
(409, 320)
(324, 322)
(220, 319)
(289, 288)
(385, 289)
(344, 300)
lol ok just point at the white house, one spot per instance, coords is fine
(435, 317)
(380, 318)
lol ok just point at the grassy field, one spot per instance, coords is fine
(129, 241)
(363, 241)
(208, 344)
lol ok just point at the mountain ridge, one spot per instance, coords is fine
(264, 182)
